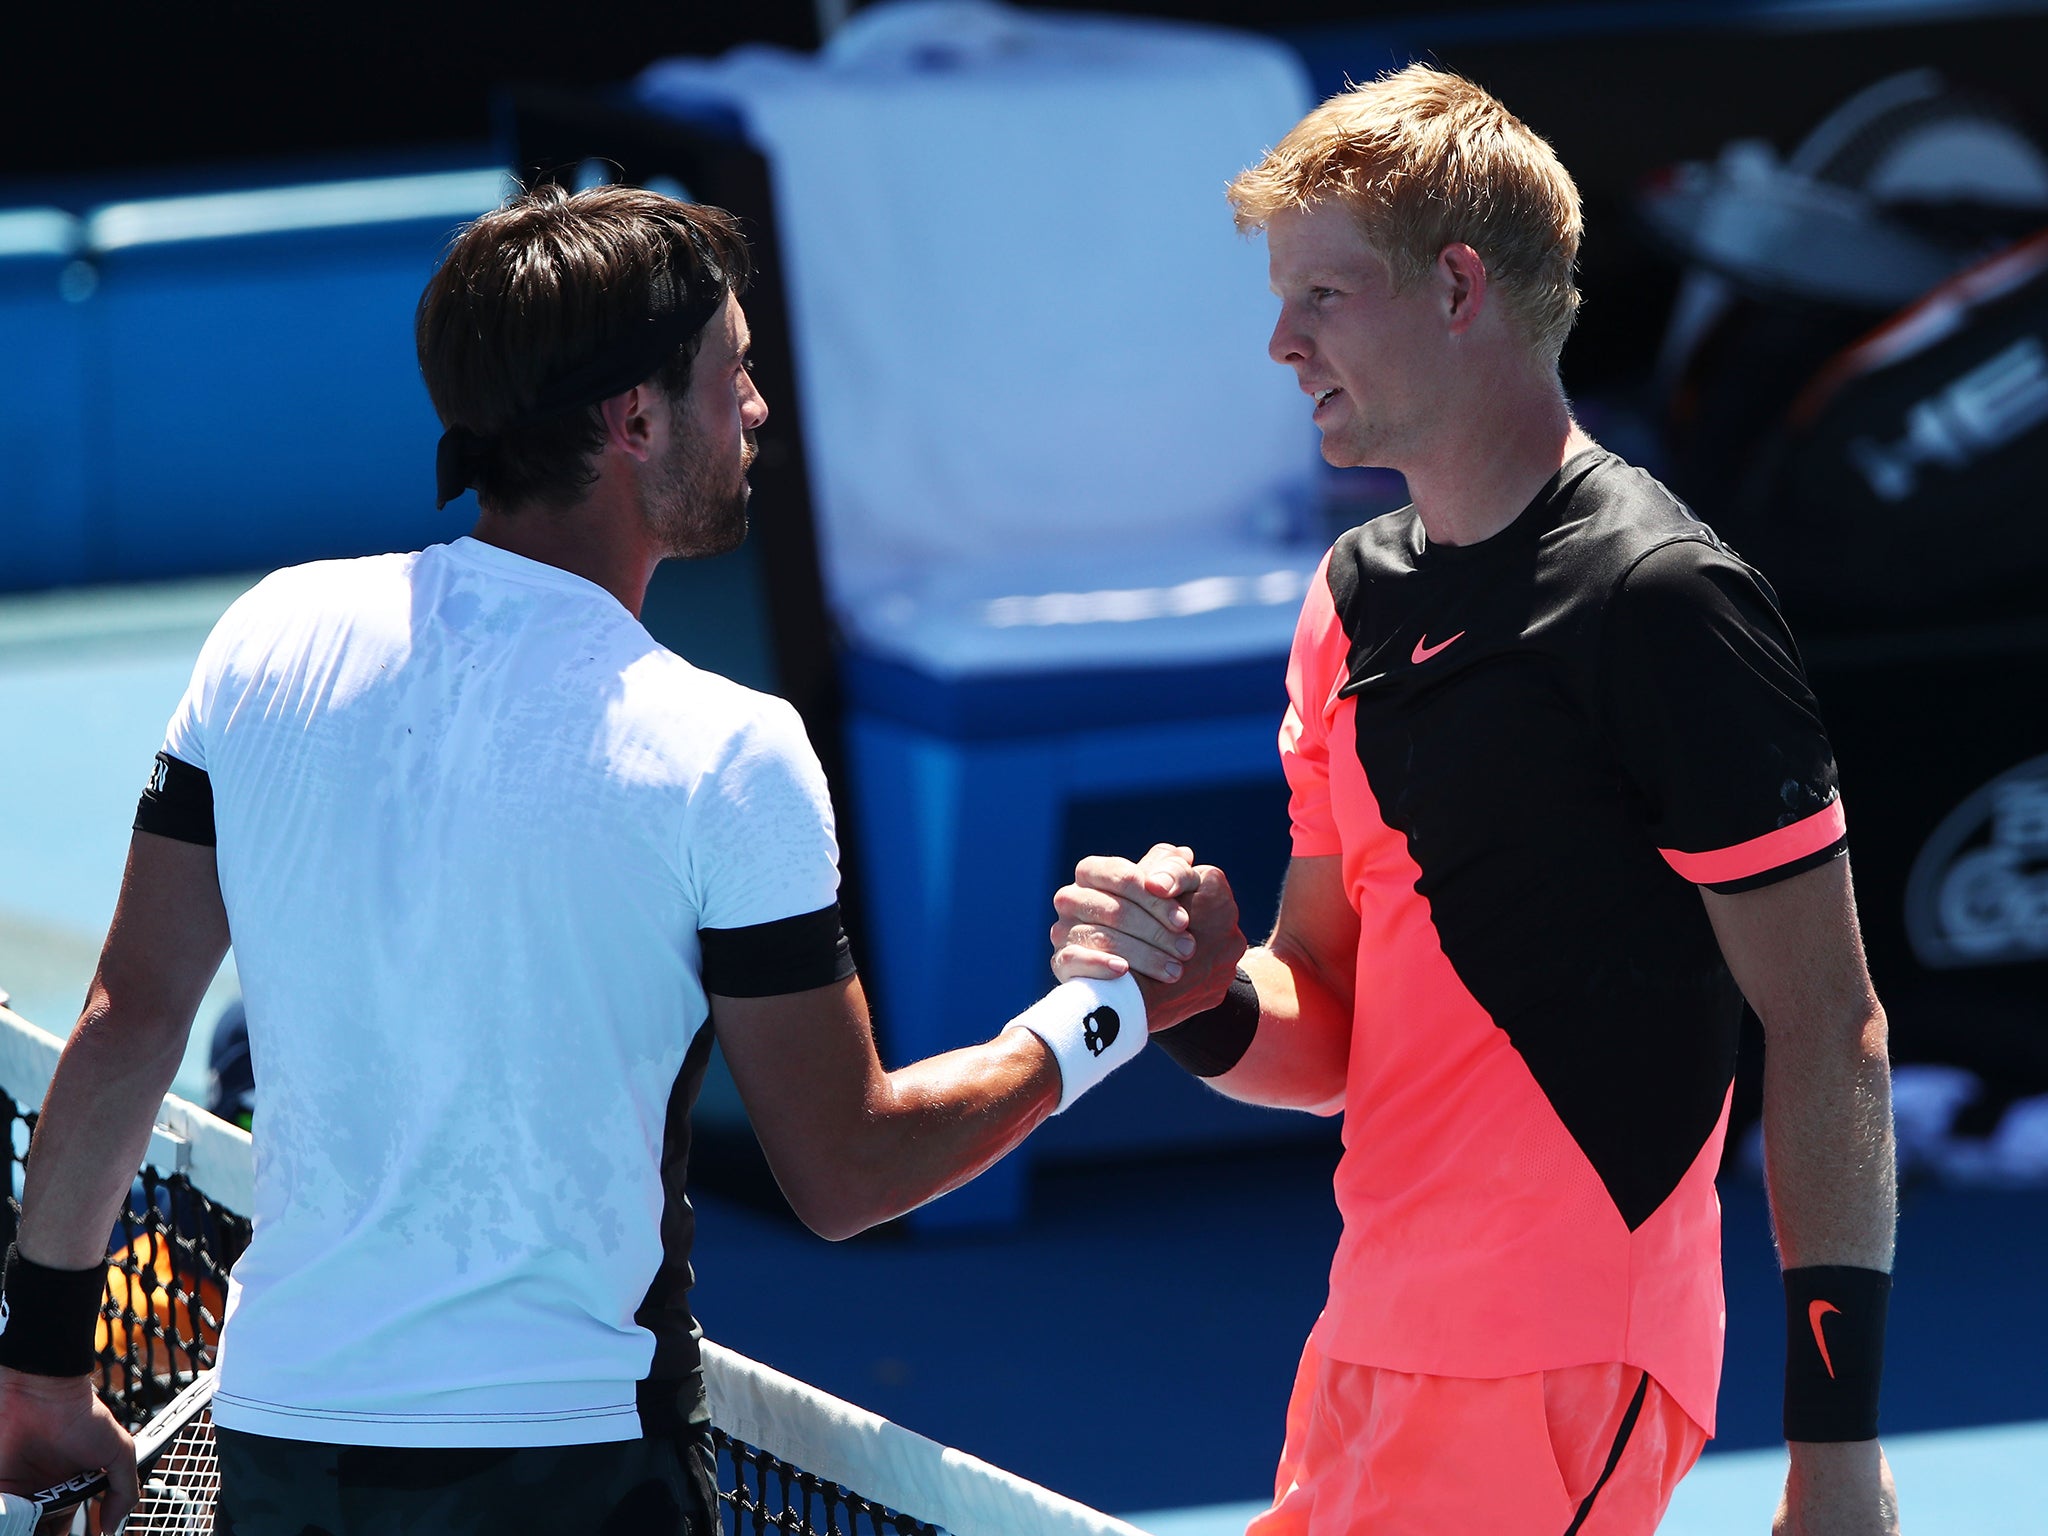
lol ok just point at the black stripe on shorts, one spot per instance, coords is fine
(1628, 1427)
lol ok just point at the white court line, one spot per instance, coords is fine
(1959, 1482)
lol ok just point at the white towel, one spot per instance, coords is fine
(1027, 334)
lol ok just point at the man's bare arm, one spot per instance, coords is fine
(1113, 917)
(853, 1145)
(1301, 1056)
(1796, 952)
(169, 933)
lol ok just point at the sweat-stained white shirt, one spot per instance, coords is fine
(470, 821)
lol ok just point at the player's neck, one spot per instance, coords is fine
(598, 539)
(1490, 462)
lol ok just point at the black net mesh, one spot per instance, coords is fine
(764, 1494)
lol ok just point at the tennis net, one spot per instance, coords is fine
(792, 1460)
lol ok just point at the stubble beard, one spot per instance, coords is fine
(697, 508)
(1362, 442)
(1347, 450)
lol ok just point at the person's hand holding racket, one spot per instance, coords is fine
(51, 1428)
(1166, 919)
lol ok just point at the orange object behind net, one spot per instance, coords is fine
(155, 1300)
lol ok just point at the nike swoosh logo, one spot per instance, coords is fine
(1424, 652)
(1815, 1311)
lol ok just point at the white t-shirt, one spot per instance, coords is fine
(471, 819)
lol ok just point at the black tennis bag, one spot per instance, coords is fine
(1858, 367)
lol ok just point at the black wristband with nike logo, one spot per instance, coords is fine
(48, 1317)
(1834, 1351)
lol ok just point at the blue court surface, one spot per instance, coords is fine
(1131, 1343)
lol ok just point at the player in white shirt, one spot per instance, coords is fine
(495, 865)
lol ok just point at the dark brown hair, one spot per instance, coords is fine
(536, 289)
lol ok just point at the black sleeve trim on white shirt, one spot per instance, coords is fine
(791, 954)
(177, 803)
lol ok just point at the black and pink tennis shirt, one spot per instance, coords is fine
(1528, 753)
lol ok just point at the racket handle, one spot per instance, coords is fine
(17, 1515)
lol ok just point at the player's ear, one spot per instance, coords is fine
(629, 420)
(1462, 283)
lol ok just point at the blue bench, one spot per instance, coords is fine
(223, 381)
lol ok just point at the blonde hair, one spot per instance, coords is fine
(1425, 159)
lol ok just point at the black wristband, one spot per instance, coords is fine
(1834, 1351)
(48, 1317)
(1214, 1041)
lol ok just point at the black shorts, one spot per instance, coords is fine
(657, 1486)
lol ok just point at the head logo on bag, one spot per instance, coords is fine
(1979, 413)
(1978, 894)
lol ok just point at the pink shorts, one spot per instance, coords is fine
(1593, 1450)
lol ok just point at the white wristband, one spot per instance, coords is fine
(1091, 1028)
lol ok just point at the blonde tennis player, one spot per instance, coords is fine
(1561, 801)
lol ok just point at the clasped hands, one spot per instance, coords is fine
(1170, 922)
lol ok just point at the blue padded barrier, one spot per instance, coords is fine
(1015, 704)
(44, 536)
(223, 381)
(256, 369)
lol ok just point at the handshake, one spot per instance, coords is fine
(1166, 921)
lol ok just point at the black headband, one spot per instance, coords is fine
(632, 359)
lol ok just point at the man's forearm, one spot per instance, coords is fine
(1797, 954)
(1829, 1153)
(1300, 1056)
(915, 1134)
(1796, 951)
(169, 933)
(852, 1145)
(1831, 1167)
(94, 1131)
(942, 1121)
(935, 1124)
